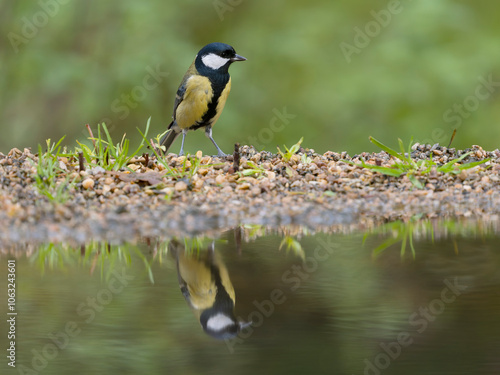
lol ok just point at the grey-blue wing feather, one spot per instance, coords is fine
(179, 97)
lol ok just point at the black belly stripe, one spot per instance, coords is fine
(219, 82)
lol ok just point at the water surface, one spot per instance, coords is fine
(320, 303)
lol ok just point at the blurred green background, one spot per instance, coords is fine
(341, 71)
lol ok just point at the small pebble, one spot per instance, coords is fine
(220, 179)
(88, 183)
(180, 186)
(243, 186)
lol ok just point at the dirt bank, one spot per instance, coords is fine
(207, 192)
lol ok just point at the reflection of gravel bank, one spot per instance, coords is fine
(326, 191)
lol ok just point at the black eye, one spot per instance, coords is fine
(226, 54)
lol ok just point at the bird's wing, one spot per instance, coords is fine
(179, 97)
(181, 91)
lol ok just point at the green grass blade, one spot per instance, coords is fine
(111, 147)
(141, 145)
(473, 164)
(385, 170)
(415, 181)
(403, 246)
(405, 158)
(56, 146)
(384, 245)
(296, 146)
(402, 149)
(387, 149)
(159, 158)
(377, 168)
(411, 245)
(449, 166)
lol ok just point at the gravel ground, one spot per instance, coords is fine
(211, 194)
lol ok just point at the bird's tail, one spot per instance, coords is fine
(169, 138)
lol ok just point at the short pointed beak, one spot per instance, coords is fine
(238, 58)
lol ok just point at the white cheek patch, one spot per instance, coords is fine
(219, 322)
(214, 61)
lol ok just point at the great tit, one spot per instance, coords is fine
(202, 94)
(205, 284)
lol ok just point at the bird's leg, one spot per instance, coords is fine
(181, 152)
(208, 133)
(211, 252)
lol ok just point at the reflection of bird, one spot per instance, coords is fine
(206, 286)
(202, 94)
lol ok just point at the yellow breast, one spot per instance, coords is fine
(195, 104)
(198, 277)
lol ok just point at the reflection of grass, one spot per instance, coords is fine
(405, 164)
(253, 231)
(401, 232)
(289, 237)
(293, 245)
(93, 255)
(105, 258)
(108, 257)
(406, 232)
(195, 245)
(53, 256)
(199, 243)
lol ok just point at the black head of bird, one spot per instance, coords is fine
(206, 286)
(202, 94)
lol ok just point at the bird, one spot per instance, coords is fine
(205, 284)
(202, 94)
